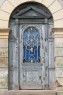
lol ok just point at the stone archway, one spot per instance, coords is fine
(33, 72)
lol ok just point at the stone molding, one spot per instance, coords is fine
(4, 33)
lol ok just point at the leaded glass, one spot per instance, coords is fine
(31, 45)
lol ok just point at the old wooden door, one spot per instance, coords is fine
(33, 56)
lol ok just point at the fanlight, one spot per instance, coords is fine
(31, 45)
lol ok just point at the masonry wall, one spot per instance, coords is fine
(6, 9)
(3, 58)
(58, 56)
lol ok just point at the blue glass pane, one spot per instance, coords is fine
(31, 44)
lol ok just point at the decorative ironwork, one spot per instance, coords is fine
(31, 45)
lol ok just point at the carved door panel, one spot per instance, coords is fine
(32, 68)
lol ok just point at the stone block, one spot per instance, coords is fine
(4, 92)
(3, 56)
(3, 52)
(55, 6)
(58, 42)
(59, 92)
(47, 2)
(4, 24)
(58, 15)
(15, 2)
(1, 2)
(58, 24)
(59, 81)
(26, 0)
(3, 78)
(3, 61)
(59, 72)
(7, 7)
(2, 13)
(3, 42)
(59, 52)
(59, 61)
(28, 92)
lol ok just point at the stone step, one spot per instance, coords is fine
(28, 92)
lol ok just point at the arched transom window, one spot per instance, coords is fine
(31, 45)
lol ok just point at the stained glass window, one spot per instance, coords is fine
(31, 45)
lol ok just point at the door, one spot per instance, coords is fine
(31, 56)
(31, 43)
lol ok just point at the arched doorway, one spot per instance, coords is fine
(31, 64)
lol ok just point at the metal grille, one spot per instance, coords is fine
(31, 45)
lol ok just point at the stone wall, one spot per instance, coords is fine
(7, 6)
(58, 55)
(4, 58)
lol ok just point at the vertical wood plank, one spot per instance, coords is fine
(13, 59)
(21, 54)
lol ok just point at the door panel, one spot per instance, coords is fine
(32, 68)
(31, 78)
